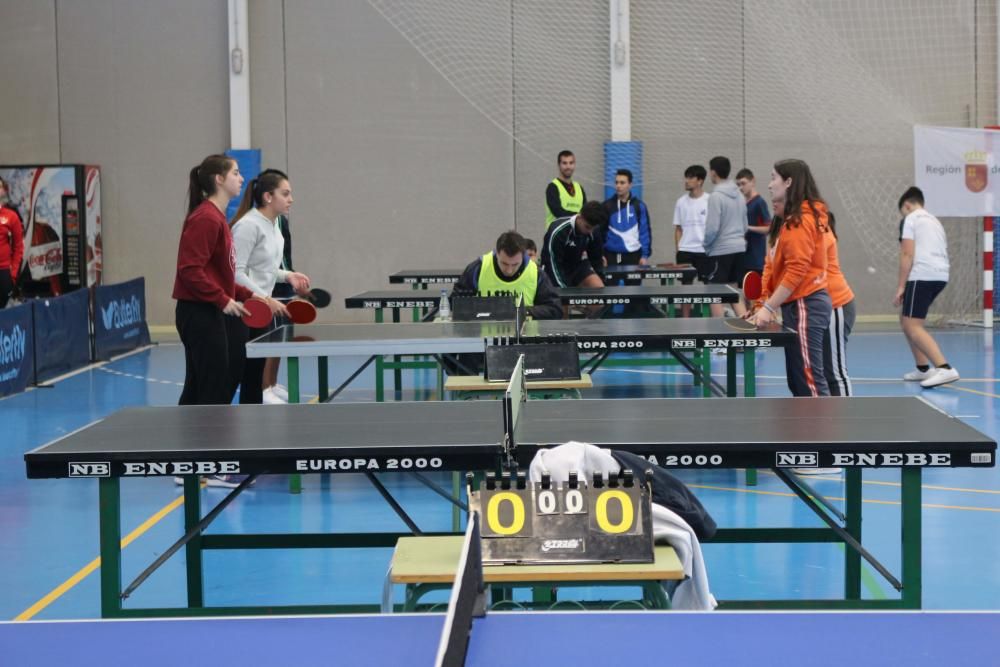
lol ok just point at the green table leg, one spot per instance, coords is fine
(706, 372)
(750, 391)
(911, 538)
(852, 511)
(192, 550)
(379, 369)
(731, 373)
(379, 379)
(109, 502)
(397, 372)
(294, 396)
(750, 372)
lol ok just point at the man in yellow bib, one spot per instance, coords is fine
(508, 269)
(564, 196)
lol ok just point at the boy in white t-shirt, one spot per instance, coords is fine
(689, 220)
(689, 225)
(923, 273)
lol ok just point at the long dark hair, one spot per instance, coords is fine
(267, 181)
(201, 184)
(802, 190)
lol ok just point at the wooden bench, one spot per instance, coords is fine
(468, 386)
(425, 564)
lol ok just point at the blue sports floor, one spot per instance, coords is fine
(49, 546)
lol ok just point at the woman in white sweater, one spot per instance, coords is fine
(259, 246)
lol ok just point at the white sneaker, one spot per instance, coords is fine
(270, 397)
(939, 376)
(817, 471)
(917, 375)
(280, 391)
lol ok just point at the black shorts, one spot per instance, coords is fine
(725, 269)
(919, 295)
(580, 273)
(698, 260)
(746, 266)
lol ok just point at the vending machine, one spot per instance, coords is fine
(60, 209)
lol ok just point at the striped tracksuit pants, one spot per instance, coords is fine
(835, 350)
(809, 317)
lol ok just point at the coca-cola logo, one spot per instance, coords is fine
(122, 313)
(12, 345)
(50, 258)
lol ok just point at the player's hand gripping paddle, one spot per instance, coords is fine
(318, 297)
(258, 314)
(753, 286)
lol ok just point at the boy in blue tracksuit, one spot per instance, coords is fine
(627, 236)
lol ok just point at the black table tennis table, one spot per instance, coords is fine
(423, 437)
(659, 299)
(665, 273)
(685, 340)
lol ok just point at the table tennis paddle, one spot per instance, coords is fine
(258, 314)
(301, 311)
(319, 297)
(753, 286)
(740, 324)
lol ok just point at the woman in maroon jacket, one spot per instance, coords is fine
(208, 299)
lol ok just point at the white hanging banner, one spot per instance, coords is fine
(958, 170)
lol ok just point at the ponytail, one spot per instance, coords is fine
(246, 203)
(253, 197)
(201, 180)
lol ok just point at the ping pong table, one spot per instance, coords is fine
(683, 339)
(601, 639)
(660, 299)
(423, 437)
(665, 273)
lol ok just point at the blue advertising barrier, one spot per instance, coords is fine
(119, 318)
(62, 334)
(17, 350)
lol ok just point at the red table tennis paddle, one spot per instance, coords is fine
(318, 297)
(301, 311)
(258, 314)
(753, 286)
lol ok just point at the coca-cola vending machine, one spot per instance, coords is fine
(60, 208)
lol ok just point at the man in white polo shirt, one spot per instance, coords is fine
(923, 273)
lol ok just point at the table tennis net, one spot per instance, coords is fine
(468, 600)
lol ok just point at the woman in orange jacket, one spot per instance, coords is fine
(795, 275)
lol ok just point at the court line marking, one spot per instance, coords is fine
(871, 501)
(759, 376)
(92, 566)
(875, 482)
(971, 391)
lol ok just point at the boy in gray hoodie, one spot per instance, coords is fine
(725, 230)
